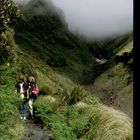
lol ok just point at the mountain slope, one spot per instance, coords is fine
(42, 46)
(115, 85)
(47, 35)
(58, 114)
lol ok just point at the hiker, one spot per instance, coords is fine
(32, 93)
(21, 88)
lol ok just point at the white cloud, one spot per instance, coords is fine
(21, 1)
(98, 18)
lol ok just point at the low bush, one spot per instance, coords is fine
(74, 96)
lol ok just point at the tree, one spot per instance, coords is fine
(9, 12)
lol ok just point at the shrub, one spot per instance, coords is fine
(90, 100)
(8, 13)
(60, 128)
(74, 96)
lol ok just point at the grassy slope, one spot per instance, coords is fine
(96, 120)
(61, 119)
(73, 69)
(115, 85)
(127, 48)
(29, 55)
(47, 37)
(11, 126)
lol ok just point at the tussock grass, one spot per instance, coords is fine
(110, 124)
(113, 125)
(84, 121)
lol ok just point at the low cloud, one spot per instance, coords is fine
(21, 1)
(97, 19)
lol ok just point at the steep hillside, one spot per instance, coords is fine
(115, 86)
(47, 36)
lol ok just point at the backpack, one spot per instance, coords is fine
(35, 90)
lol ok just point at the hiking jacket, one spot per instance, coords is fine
(17, 86)
(31, 87)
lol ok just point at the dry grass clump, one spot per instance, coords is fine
(111, 124)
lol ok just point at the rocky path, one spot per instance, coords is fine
(34, 131)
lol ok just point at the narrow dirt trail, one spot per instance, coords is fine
(34, 131)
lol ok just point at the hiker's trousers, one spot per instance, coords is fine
(23, 107)
(30, 102)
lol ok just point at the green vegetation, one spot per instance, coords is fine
(42, 45)
(11, 126)
(61, 106)
(82, 121)
(109, 48)
(9, 12)
(58, 48)
(116, 86)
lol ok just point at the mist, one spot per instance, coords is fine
(97, 19)
(24, 2)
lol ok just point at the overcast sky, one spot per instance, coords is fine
(97, 18)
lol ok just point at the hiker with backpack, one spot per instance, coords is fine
(32, 93)
(21, 88)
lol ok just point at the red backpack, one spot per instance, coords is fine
(35, 90)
